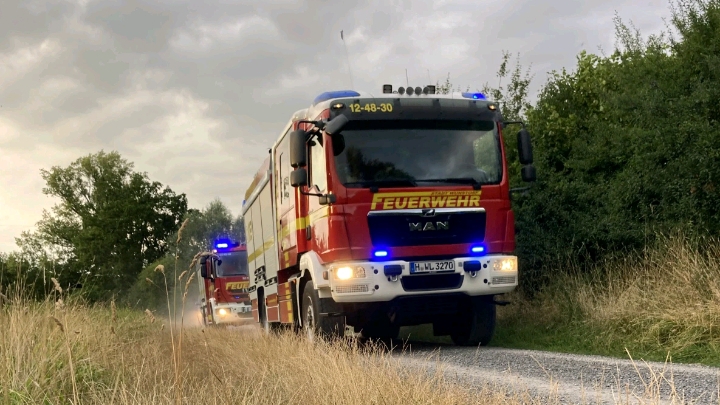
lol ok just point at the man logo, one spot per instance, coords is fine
(429, 226)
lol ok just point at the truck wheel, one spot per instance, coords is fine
(476, 326)
(313, 324)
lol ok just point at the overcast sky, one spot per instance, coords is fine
(194, 92)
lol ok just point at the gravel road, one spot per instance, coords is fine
(566, 378)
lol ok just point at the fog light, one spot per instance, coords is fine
(222, 312)
(509, 264)
(344, 273)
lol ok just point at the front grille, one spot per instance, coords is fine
(503, 280)
(417, 228)
(430, 282)
(347, 289)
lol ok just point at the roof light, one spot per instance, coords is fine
(221, 245)
(387, 88)
(475, 96)
(381, 253)
(430, 89)
(401, 90)
(335, 94)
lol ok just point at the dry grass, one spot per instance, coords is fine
(65, 351)
(95, 354)
(664, 301)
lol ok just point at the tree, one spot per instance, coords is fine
(110, 222)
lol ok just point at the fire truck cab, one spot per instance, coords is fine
(376, 211)
(223, 280)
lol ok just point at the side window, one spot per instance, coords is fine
(318, 167)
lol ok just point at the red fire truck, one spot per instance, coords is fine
(376, 211)
(223, 279)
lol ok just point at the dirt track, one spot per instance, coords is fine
(568, 378)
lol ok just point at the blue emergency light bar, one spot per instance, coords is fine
(225, 243)
(474, 96)
(335, 94)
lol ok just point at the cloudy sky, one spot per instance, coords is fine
(194, 92)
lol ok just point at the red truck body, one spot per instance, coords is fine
(358, 217)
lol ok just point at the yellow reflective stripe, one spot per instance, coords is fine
(290, 311)
(254, 255)
(299, 223)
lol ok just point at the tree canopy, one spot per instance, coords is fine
(109, 224)
(626, 145)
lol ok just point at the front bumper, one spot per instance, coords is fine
(232, 313)
(384, 281)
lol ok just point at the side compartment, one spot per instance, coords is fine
(268, 252)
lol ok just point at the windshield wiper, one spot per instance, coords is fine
(383, 183)
(459, 180)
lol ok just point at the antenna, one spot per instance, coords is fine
(429, 80)
(407, 81)
(347, 56)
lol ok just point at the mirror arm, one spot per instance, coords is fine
(506, 123)
(311, 194)
(317, 127)
(519, 189)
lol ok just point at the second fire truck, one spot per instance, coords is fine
(223, 280)
(376, 211)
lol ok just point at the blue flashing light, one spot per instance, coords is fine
(474, 96)
(381, 253)
(335, 94)
(221, 245)
(478, 249)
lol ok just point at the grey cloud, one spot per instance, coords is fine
(215, 82)
(135, 26)
(26, 21)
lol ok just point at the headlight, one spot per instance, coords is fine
(222, 312)
(346, 273)
(509, 264)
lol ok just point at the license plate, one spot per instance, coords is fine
(426, 267)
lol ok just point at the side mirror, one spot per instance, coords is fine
(528, 173)
(338, 142)
(298, 150)
(524, 147)
(203, 267)
(336, 125)
(299, 177)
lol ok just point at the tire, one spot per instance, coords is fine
(476, 326)
(314, 325)
(262, 312)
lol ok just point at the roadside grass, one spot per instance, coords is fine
(659, 305)
(73, 353)
(65, 351)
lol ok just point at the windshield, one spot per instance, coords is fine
(233, 264)
(418, 152)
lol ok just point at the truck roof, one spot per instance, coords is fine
(325, 100)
